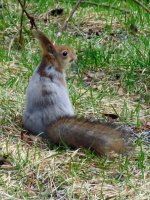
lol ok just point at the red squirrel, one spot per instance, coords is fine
(49, 112)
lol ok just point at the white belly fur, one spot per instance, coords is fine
(42, 108)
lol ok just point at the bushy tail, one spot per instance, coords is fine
(76, 132)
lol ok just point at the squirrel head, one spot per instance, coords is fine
(58, 55)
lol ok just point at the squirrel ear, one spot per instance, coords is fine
(46, 44)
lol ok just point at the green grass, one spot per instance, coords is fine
(118, 61)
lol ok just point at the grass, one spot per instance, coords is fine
(111, 76)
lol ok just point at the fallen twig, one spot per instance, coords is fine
(105, 5)
(11, 43)
(32, 21)
(21, 26)
(70, 15)
(140, 4)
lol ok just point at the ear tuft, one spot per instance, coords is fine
(46, 44)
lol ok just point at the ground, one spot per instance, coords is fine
(110, 81)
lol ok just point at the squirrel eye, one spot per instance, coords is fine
(65, 53)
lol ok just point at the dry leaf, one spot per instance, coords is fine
(111, 116)
(56, 12)
(31, 140)
(121, 91)
(94, 76)
(4, 163)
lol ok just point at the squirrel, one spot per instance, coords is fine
(49, 111)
